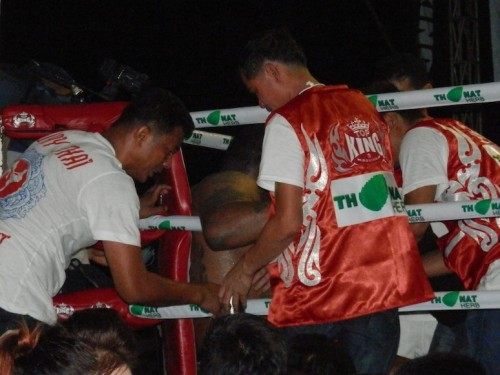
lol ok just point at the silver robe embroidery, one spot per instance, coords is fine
(309, 268)
(470, 156)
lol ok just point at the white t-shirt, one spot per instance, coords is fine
(73, 194)
(282, 157)
(424, 161)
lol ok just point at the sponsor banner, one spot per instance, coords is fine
(229, 117)
(364, 198)
(453, 300)
(458, 300)
(453, 210)
(254, 306)
(173, 222)
(445, 96)
(212, 140)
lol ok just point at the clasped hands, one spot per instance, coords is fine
(236, 285)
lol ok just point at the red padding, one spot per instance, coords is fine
(35, 121)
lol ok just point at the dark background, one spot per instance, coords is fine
(191, 47)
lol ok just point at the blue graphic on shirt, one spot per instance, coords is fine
(22, 187)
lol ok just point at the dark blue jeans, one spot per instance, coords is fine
(371, 340)
(449, 339)
(483, 332)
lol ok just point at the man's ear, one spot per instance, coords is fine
(141, 134)
(271, 70)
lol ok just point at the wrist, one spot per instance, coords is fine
(249, 266)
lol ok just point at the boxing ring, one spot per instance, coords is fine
(174, 232)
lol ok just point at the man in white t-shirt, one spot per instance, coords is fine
(442, 160)
(71, 189)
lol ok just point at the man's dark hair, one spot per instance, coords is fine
(243, 344)
(402, 65)
(106, 333)
(317, 354)
(274, 45)
(48, 350)
(160, 109)
(384, 87)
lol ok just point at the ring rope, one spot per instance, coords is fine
(417, 213)
(211, 140)
(437, 97)
(444, 301)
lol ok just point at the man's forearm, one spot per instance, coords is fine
(275, 237)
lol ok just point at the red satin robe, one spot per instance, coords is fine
(355, 253)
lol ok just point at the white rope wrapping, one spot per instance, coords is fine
(438, 97)
(211, 140)
(455, 300)
(416, 213)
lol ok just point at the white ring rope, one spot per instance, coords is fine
(455, 300)
(416, 213)
(438, 97)
(211, 140)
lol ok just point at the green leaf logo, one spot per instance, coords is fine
(450, 299)
(455, 94)
(482, 206)
(214, 118)
(375, 193)
(165, 225)
(373, 99)
(136, 310)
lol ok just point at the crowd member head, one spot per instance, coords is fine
(243, 344)
(110, 338)
(45, 350)
(442, 363)
(274, 68)
(399, 122)
(316, 354)
(149, 132)
(404, 71)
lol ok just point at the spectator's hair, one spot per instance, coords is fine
(399, 66)
(159, 109)
(112, 340)
(442, 363)
(384, 87)
(243, 344)
(274, 45)
(317, 354)
(44, 350)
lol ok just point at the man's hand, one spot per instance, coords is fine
(149, 201)
(210, 300)
(235, 287)
(261, 281)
